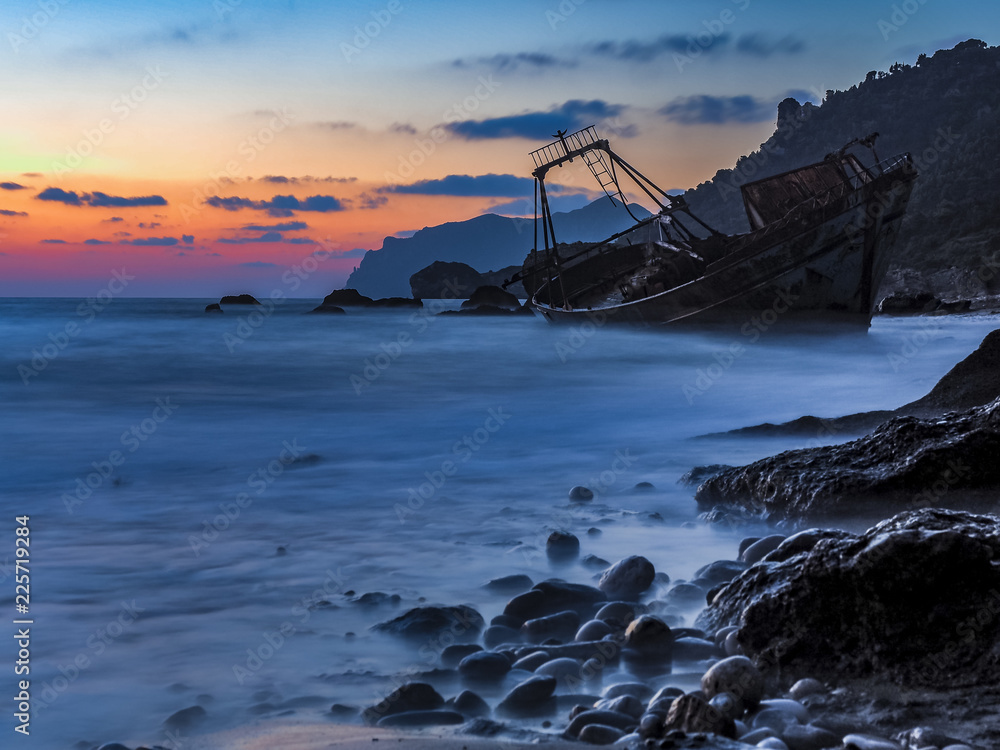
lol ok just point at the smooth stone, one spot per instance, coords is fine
(507, 621)
(413, 696)
(755, 736)
(868, 742)
(691, 713)
(623, 704)
(484, 665)
(186, 718)
(728, 704)
(562, 669)
(628, 740)
(651, 725)
(512, 584)
(580, 494)
(685, 595)
(649, 635)
(623, 612)
(624, 722)
(736, 675)
(536, 688)
(561, 546)
(215, 307)
(600, 734)
(593, 630)
(666, 693)
(745, 543)
(800, 712)
(809, 737)
(772, 743)
(775, 719)
(552, 596)
(594, 531)
(453, 654)
(645, 486)
(921, 736)
(462, 623)
(594, 562)
(531, 662)
(562, 625)
(421, 719)
(732, 646)
(756, 551)
(722, 633)
(806, 686)
(496, 635)
(469, 704)
(694, 649)
(957, 747)
(519, 710)
(627, 578)
(720, 571)
(638, 690)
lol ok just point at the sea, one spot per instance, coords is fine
(209, 498)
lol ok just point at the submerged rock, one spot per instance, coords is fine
(492, 296)
(907, 462)
(462, 622)
(328, 310)
(215, 307)
(914, 601)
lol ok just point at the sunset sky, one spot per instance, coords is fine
(207, 146)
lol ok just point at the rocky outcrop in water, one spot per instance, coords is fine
(915, 600)
(491, 296)
(239, 299)
(906, 463)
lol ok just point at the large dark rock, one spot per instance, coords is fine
(913, 601)
(492, 296)
(442, 280)
(395, 302)
(413, 696)
(347, 298)
(906, 463)
(239, 299)
(464, 623)
(627, 578)
(553, 596)
(213, 308)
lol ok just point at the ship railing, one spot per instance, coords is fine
(566, 145)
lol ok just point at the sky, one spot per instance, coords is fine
(205, 147)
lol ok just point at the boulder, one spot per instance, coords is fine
(561, 546)
(511, 584)
(736, 675)
(442, 280)
(215, 307)
(469, 704)
(462, 622)
(627, 578)
(649, 636)
(691, 713)
(484, 666)
(492, 296)
(912, 601)
(561, 625)
(413, 696)
(346, 298)
(239, 299)
(905, 463)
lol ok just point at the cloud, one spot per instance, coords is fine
(149, 224)
(53, 242)
(269, 236)
(97, 199)
(505, 63)
(337, 125)
(96, 242)
(258, 264)
(572, 115)
(150, 241)
(279, 205)
(484, 185)
(281, 226)
(718, 110)
(369, 201)
(11, 186)
(8, 212)
(281, 179)
(187, 239)
(112, 220)
(755, 44)
(402, 127)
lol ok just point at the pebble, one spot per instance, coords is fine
(772, 743)
(562, 625)
(809, 737)
(507, 621)
(469, 704)
(623, 704)
(623, 612)
(722, 633)
(694, 649)
(692, 713)
(756, 551)
(512, 584)
(732, 646)
(531, 662)
(561, 546)
(868, 742)
(535, 688)
(720, 571)
(639, 690)
(736, 675)
(552, 596)
(593, 630)
(755, 736)
(666, 693)
(594, 562)
(421, 719)
(800, 712)
(650, 636)
(745, 543)
(685, 595)
(453, 654)
(806, 686)
(627, 578)
(484, 666)
(728, 704)
(462, 623)
(600, 734)
(645, 486)
(775, 719)
(580, 494)
(623, 722)
(562, 669)
(186, 718)
(651, 725)
(496, 635)
(413, 696)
